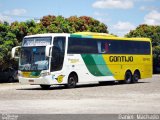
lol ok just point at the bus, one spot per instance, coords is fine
(82, 58)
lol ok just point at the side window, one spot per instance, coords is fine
(82, 46)
(115, 47)
(128, 47)
(144, 47)
(58, 51)
(101, 46)
(59, 42)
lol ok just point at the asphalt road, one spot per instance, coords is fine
(140, 98)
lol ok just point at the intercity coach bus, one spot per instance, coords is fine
(83, 57)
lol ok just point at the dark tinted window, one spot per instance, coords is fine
(93, 46)
(128, 47)
(58, 51)
(82, 45)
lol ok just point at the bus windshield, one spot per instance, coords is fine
(33, 58)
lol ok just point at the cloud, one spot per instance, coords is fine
(4, 18)
(122, 28)
(15, 12)
(149, 8)
(110, 4)
(7, 15)
(100, 14)
(148, 0)
(102, 17)
(152, 18)
(103, 20)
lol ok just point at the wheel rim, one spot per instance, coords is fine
(128, 77)
(72, 82)
(136, 77)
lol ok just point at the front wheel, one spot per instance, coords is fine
(72, 81)
(45, 87)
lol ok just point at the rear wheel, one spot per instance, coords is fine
(45, 87)
(72, 81)
(136, 77)
(128, 77)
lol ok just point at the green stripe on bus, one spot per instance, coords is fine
(76, 36)
(101, 65)
(80, 36)
(96, 65)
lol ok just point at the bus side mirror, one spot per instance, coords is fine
(14, 52)
(48, 49)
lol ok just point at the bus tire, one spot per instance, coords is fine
(128, 77)
(136, 76)
(45, 87)
(72, 80)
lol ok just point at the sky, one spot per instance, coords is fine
(120, 16)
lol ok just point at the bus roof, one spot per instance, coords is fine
(47, 34)
(89, 35)
(105, 36)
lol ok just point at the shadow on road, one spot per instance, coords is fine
(62, 87)
(5, 81)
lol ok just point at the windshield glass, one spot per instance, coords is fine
(33, 58)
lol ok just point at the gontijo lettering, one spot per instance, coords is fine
(121, 59)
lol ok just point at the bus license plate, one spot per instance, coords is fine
(31, 80)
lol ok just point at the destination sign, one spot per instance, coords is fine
(37, 41)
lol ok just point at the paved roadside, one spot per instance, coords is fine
(143, 97)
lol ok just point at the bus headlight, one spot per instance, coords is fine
(45, 74)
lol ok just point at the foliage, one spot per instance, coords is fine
(7, 41)
(152, 32)
(72, 24)
(84, 23)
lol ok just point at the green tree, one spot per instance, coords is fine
(92, 25)
(35, 28)
(7, 41)
(47, 20)
(59, 24)
(19, 29)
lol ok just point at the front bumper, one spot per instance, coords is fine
(49, 80)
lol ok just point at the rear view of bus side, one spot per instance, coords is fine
(84, 57)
